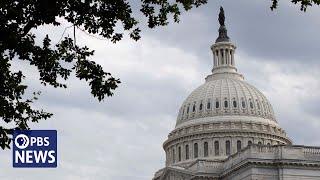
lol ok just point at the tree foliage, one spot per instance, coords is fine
(304, 4)
(56, 62)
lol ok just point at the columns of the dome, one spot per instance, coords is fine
(223, 49)
(223, 54)
(223, 61)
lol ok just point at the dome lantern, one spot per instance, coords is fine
(223, 54)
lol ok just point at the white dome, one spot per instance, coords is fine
(222, 116)
(225, 96)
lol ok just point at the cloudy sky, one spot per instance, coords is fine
(121, 138)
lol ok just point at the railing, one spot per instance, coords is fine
(301, 154)
(312, 150)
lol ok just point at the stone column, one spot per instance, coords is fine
(225, 56)
(233, 145)
(210, 147)
(222, 146)
(214, 59)
(232, 54)
(220, 57)
(217, 57)
(200, 148)
(229, 56)
(191, 150)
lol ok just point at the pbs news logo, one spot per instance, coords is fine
(35, 148)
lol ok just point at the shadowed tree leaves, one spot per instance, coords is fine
(304, 4)
(57, 62)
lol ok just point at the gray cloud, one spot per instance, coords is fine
(121, 138)
(284, 33)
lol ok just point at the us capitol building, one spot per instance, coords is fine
(226, 129)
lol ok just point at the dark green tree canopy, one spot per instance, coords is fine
(58, 61)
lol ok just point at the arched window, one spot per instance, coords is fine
(216, 148)
(200, 107)
(238, 145)
(243, 103)
(173, 155)
(183, 111)
(251, 105)
(208, 105)
(195, 150)
(268, 144)
(259, 143)
(188, 110)
(187, 151)
(225, 103)
(194, 108)
(205, 149)
(217, 104)
(258, 105)
(228, 148)
(179, 153)
(249, 143)
(234, 103)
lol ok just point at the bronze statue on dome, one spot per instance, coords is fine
(221, 16)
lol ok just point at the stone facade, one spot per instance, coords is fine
(226, 129)
(279, 162)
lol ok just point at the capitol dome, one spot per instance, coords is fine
(225, 96)
(226, 130)
(222, 116)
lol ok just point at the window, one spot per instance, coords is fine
(208, 105)
(243, 103)
(179, 153)
(194, 108)
(251, 105)
(205, 147)
(183, 111)
(234, 103)
(195, 150)
(173, 155)
(187, 151)
(225, 103)
(200, 107)
(268, 144)
(249, 143)
(228, 148)
(217, 104)
(188, 110)
(238, 145)
(216, 148)
(258, 105)
(259, 143)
